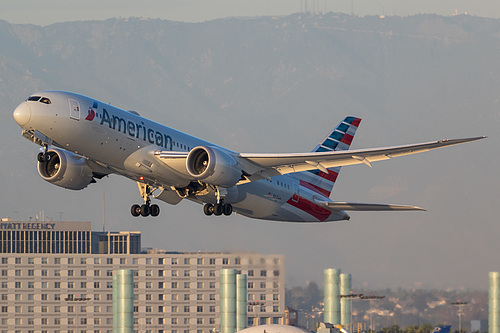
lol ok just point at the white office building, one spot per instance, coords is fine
(174, 292)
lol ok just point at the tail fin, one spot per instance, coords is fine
(339, 139)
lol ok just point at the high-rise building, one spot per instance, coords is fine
(175, 292)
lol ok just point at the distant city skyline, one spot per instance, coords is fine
(53, 11)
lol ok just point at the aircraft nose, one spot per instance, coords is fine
(22, 114)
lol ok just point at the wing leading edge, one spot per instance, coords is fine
(260, 166)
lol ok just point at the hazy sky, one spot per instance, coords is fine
(50, 11)
(184, 228)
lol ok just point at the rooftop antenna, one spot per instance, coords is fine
(103, 211)
(60, 215)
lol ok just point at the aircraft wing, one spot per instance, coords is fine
(258, 166)
(338, 206)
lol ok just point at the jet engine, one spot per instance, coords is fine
(213, 166)
(65, 169)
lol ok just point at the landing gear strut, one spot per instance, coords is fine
(146, 209)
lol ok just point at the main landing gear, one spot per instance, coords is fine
(146, 209)
(218, 209)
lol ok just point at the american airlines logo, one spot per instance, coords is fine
(131, 128)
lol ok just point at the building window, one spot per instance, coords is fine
(212, 285)
(71, 261)
(187, 261)
(276, 272)
(237, 261)
(276, 297)
(199, 321)
(148, 308)
(174, 308)
(109, 261)
(263, 272)
(199, 261)
(263, 285)
(276, 308)
(186, 297)
(123, 261)
(148, 285)
(250, 272)
(250, 285)
(199, 285)
(225, 261)
(174, 261)
(173, 321)
(44, 272)
(212, 261)
(212, 272)
(187, 285)
(212, 297)
(199, 297)
(31, 261)
(70, 272)
(149, 272)
(83, 272)
(31, 272)
(212, 308)
(97, 284)
(186, 308)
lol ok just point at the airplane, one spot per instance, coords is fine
(83, 140)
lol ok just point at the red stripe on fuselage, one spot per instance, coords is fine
(331, 175)
(315, 188)
(311, 208)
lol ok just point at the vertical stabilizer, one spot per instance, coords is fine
(339, 139)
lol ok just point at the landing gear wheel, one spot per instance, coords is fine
(154, 210)
(145, 210)
(227, 209)
(43, 157)
(218, 209)
(135, 210)
(208, 209)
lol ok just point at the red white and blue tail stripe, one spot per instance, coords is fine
(339, 139)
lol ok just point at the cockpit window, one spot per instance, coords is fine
(40, 99)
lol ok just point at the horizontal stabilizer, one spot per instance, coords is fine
(365, 206)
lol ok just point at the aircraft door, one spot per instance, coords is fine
(74, 109)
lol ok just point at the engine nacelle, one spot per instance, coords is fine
(213, 166)
(65, 169)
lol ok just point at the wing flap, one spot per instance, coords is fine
(368, 207)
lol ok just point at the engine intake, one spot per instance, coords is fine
(65, 169)
(213, 166)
